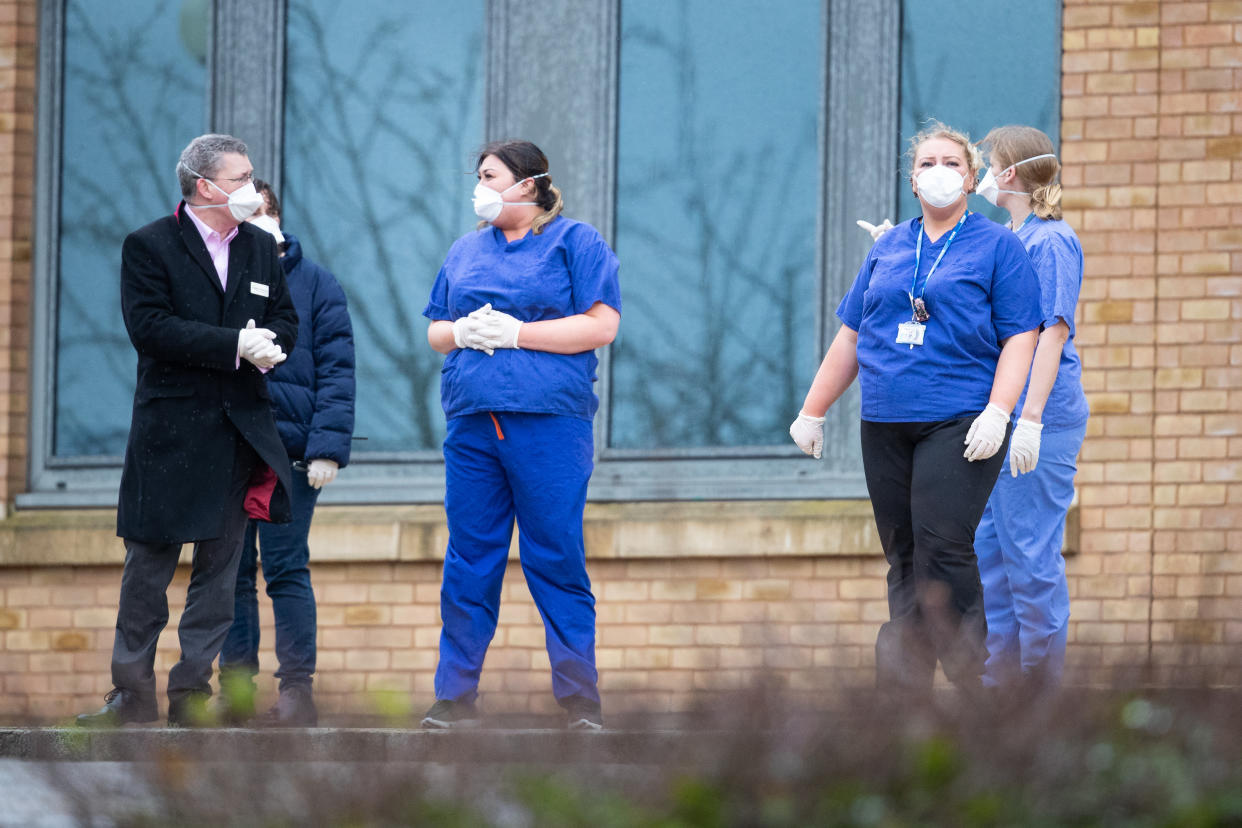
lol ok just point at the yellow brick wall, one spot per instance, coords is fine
(1152, 150)
(669, 631)
(17, 93)
(1152, 114)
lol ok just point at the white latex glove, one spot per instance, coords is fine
(502, 330)
(258, 347)
(876, 230)
(986, 434)
(808, 433)
(320, 472)
(474, 329)
(1024, 447)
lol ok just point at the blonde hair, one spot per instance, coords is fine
(935, 129)
(1008, 145)
(549, 213)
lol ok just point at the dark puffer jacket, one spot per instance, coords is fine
(313, 390)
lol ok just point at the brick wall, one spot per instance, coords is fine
(1152, 114)
(670, 632)
(17, 93)
(704, 596)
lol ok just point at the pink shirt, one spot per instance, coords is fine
(217, 245)
(218, 250)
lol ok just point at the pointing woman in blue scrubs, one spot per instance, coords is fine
(1025, 593)
(518, 309)
(939, 327)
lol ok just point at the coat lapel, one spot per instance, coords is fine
(198, 249)
(239, 255)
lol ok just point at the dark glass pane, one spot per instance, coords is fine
(978, 71)
(719, 189)
(135, 86)
(383, 108)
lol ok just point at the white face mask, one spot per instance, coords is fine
(990, 189)
(269, 225)
(940, 186)
(244, 202)
(488, 202)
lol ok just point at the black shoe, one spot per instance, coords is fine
(120, 707)
(582, 714)
(294, 708)
(190, 710)
(446, 713)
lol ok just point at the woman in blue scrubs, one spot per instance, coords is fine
(939, 327)
(1025, 594)
(518, 309)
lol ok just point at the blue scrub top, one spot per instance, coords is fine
(559, 272)
(1056, 255)
(983, 291)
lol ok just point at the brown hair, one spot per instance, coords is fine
(935, 129)
(1008, 145)
(526, 160)
(269, 195)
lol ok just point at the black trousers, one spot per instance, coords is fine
(208, 613)
(928, 500)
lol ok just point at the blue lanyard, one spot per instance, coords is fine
(918, 254)
(1025, 222)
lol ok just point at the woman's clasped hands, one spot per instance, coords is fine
(486, 329)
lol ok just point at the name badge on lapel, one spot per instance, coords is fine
(259, 289)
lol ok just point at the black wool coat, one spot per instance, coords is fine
(192, 398)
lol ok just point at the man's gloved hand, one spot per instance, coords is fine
(472, 330)
(808, 433)
(986, 434)
(876, 230)
(1024, 447)
(502, 329)
(258, 347)
(320, 472)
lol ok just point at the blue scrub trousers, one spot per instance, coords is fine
(1025, 593)
(534, 467)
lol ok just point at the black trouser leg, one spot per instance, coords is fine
(928, 500)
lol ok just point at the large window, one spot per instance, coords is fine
(718, 175)
(978, 71)
(723, 147)
(382, 113)
(134, 90)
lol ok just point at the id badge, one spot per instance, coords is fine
(910, 333)
(258, 289)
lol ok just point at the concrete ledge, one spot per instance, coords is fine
(357, 745)
(362, 534)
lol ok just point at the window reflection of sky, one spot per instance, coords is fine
(134, 95)
(384, 107)
(718, 171)
(982, 71)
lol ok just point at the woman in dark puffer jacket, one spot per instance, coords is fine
(313, 399)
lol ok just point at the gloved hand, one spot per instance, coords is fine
(472, 330)
(1024, 447)
(502, 331)
(986, 434)
(808, 433)
(320, 472)
(876, 230)
(258, 347)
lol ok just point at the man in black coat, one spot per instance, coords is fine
(208, 311)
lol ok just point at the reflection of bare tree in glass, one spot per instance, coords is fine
(731, 310)
(134, 101)
(371, 165)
